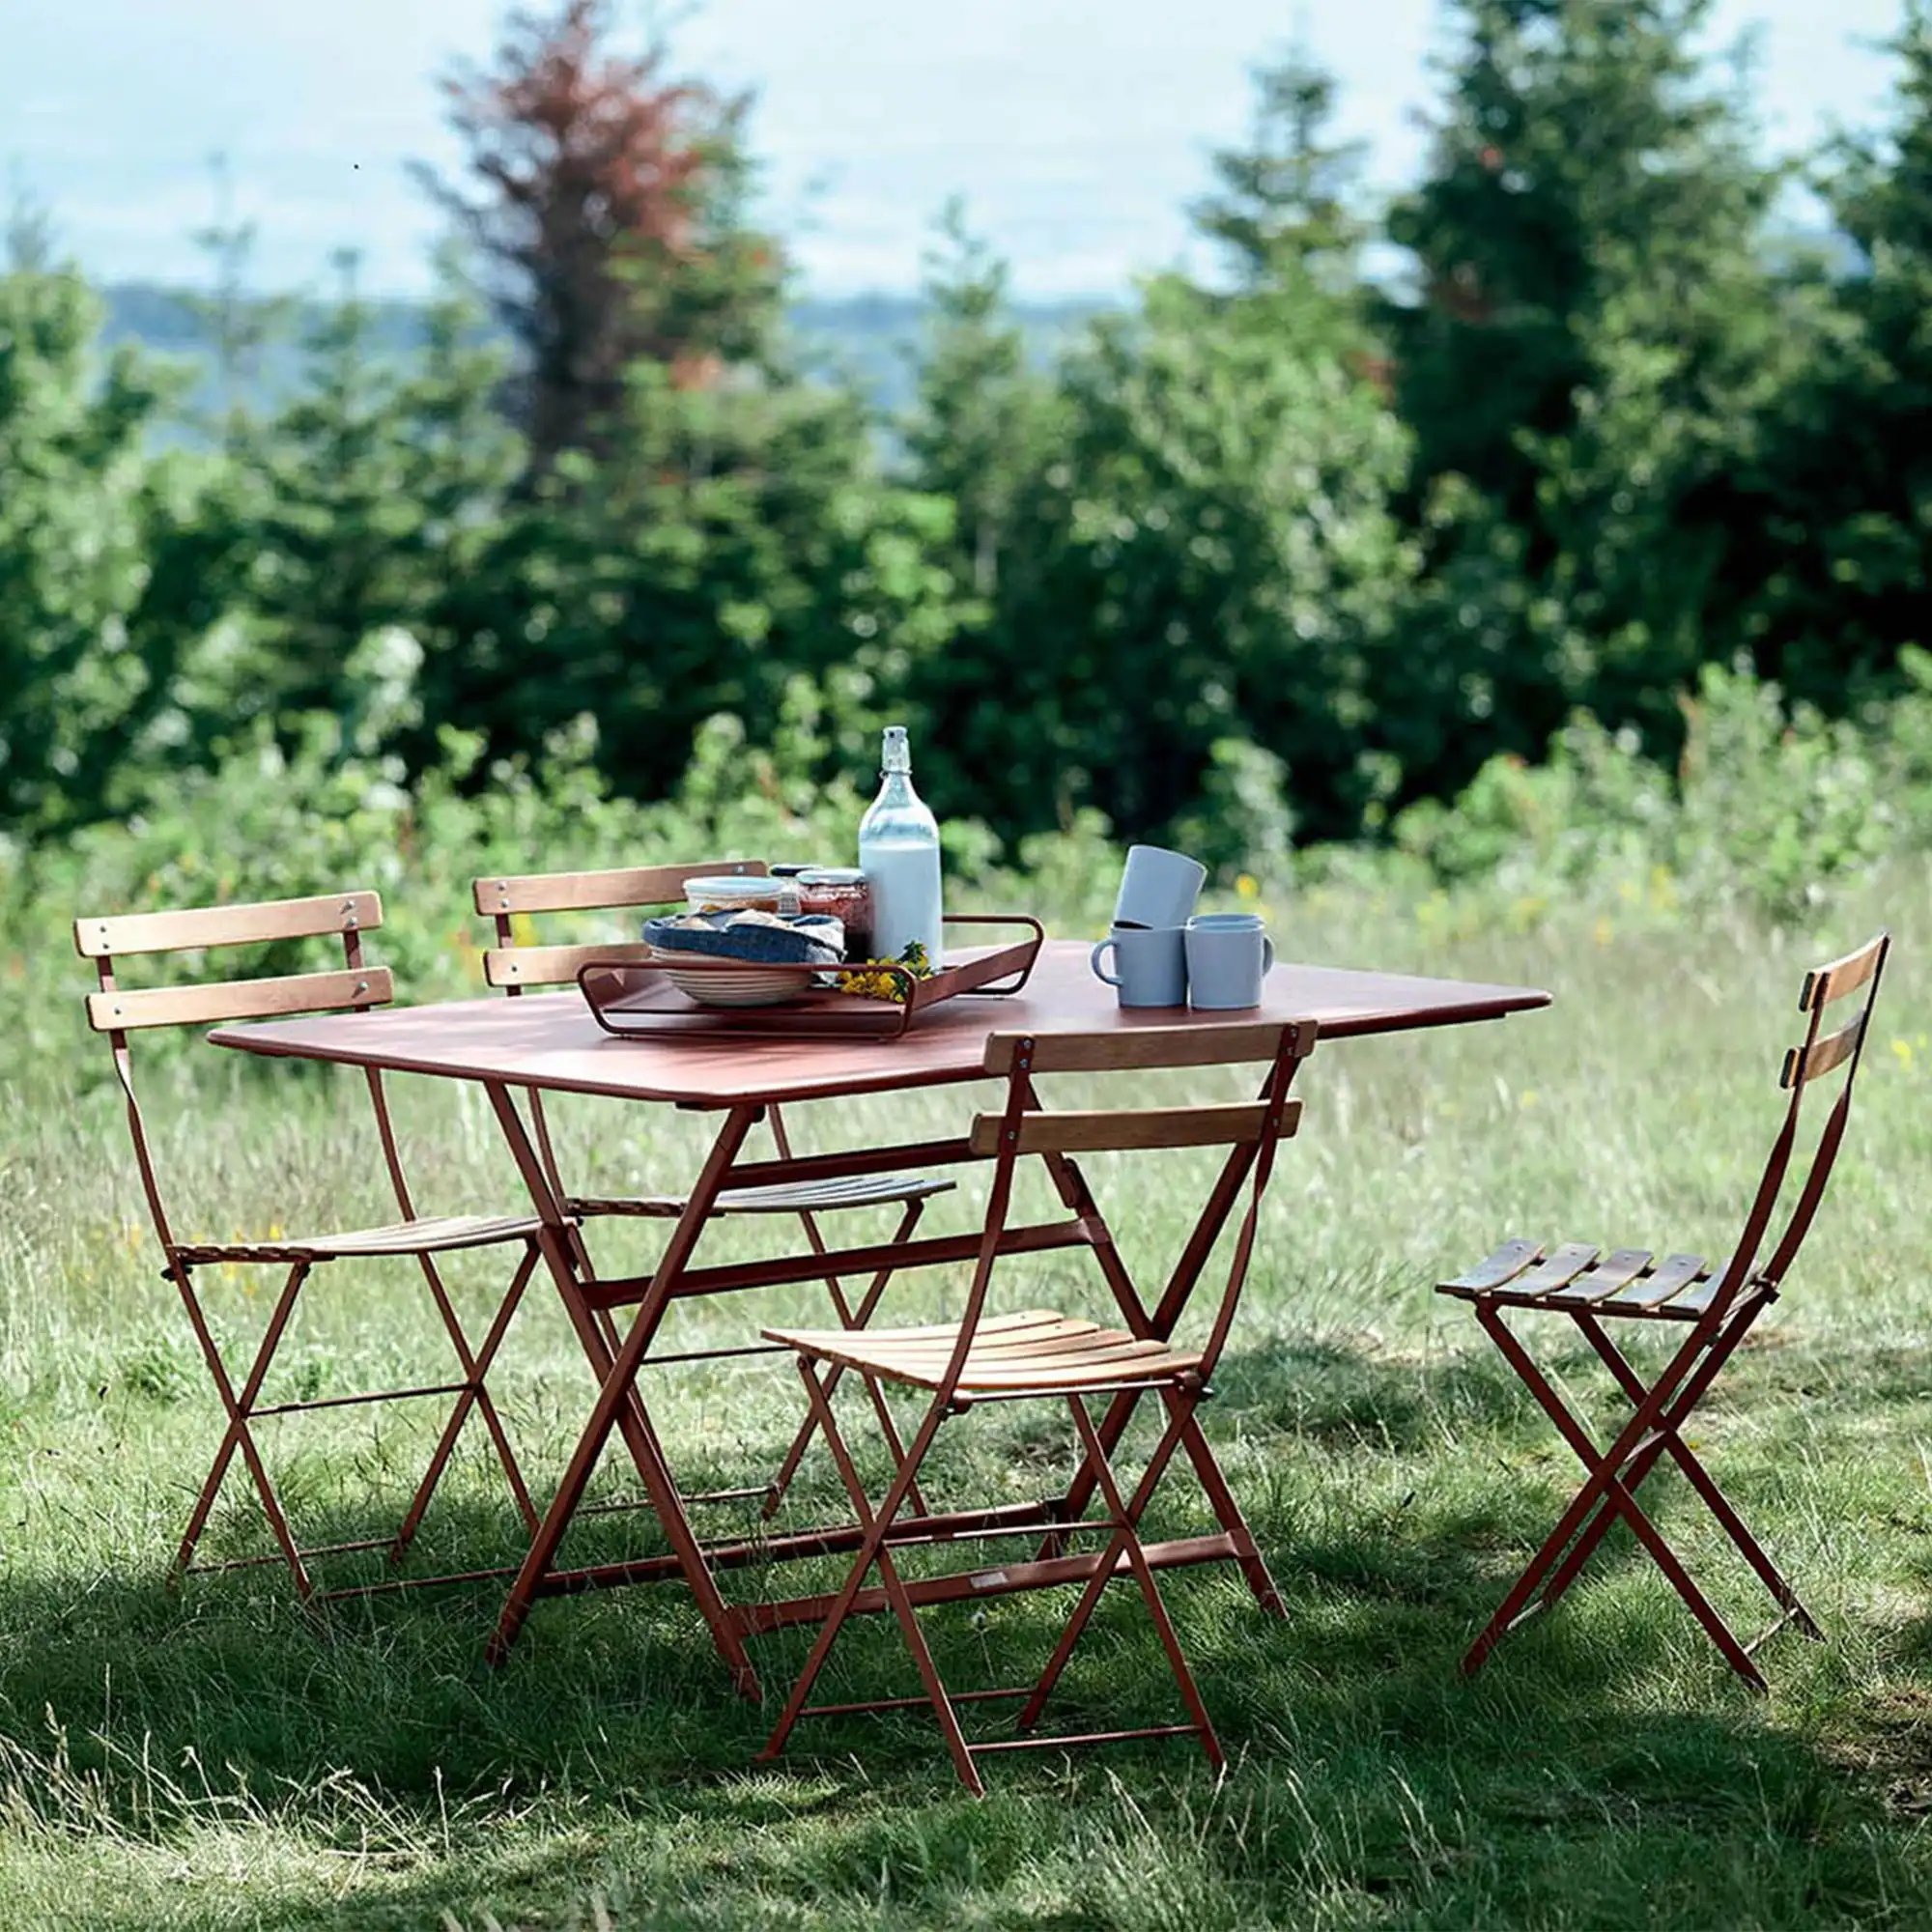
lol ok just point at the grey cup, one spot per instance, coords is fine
(1158, 888)
(1228, 954)
(1150, 965)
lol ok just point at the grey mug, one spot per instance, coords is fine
(1228, 954)
(1158, 888)
(1149, 962)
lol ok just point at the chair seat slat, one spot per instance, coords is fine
(426, 1235)
(1045, 1351)
(1661, 1283)
(784, 1198)
(1560, 1265)
(1507, 1263)
(1615, 1272)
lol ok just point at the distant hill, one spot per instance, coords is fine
(868, 339)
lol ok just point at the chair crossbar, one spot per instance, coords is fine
(623, 887)
(121, 1011)
(357, 1400)
(194, 928)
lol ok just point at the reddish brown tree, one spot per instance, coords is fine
(607, 225)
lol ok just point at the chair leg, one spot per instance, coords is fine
(241, 1410)
(476, 1396)
(848, 1318)
(1126, 1516)
(1605, 1494)
(873, 1550)
(1667, 1437)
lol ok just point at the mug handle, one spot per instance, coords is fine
(1267, 954)
(1109, 978)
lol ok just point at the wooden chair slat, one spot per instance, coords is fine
(1562, 1265)
(239, 1000)
(1121, 1128)
(556, 965)
(1615, 1272)
(1824, 984)
(196, 926)
(1822, 1055)
(1154, 1047)
(1507, 1263)
(1668, 1278)
(597, 891)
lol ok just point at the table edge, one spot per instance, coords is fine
(247, 1037)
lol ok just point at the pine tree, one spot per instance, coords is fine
(1287, 211)
(1585, 355)
(1850, 470)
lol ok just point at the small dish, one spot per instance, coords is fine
(712, 984)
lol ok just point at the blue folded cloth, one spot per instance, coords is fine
(805, 939)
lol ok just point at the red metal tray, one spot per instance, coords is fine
(639, 1002)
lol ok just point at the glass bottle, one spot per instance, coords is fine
(898, 852)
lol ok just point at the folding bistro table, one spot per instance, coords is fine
(552, 1043)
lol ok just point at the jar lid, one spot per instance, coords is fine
(732, 886)
(832, 875)
(791, 868)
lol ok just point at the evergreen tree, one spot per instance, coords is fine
(1590, 343)
(73, 684)
(1849, 503)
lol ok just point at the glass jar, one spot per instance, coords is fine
(845, 893)
(732, 891)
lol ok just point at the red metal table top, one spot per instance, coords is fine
(551, 1042)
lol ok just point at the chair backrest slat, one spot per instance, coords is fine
(201, 926)
(503, 894)
(1127, 1048)
(1808, 1062)
(1824, 984)
(554, 965)
(127, 1012)
(1123, 1128)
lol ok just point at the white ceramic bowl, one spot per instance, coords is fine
(717, 984)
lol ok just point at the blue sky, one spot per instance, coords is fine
(1077, 130)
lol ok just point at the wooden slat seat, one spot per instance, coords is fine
(1039, 1348)
(427, 1234)
(859, 1190)
(1570, 1275)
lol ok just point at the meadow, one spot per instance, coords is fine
(213, 1755)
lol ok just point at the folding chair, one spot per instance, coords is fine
(1713, 1309)
(516, 965)
(1040, 1354)
(118, 1013)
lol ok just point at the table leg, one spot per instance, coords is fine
(618, 1404)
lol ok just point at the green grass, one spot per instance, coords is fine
(215, 1756)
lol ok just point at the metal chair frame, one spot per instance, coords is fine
(1042, 1357)
(1717, 1306)
(119, 1012)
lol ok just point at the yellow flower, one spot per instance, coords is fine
(1902, 1049)
(1247, 887)
(1603, 933)
(1528, 1097)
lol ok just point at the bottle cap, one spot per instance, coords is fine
(898, 757)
